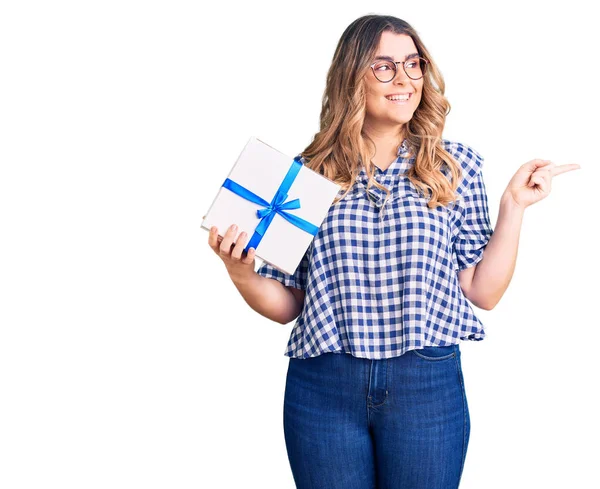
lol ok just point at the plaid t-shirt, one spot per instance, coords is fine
(379, 283)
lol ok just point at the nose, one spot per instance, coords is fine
(401, 76)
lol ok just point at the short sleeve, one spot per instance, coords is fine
(298, 280)
(476, 229)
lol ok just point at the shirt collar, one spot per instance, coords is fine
(403, 148)
(387, 177)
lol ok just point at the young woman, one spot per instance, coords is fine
(375, 394)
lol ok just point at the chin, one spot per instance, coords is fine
(401, 120)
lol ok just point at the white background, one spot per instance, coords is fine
(127, 357)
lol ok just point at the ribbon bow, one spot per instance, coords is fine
(278, 205)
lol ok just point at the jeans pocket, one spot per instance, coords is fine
(436, 353)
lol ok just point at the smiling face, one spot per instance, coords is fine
(381, 112)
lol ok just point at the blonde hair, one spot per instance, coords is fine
(339, 148)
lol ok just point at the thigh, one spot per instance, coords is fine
(421, 433)
(325, 423)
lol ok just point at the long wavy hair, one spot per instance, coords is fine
(340, 147)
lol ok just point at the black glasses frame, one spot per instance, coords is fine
(403, 63)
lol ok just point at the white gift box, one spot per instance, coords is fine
(261, 170)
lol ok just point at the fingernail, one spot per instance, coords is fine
(234, 227)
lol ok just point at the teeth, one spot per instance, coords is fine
(398, 97)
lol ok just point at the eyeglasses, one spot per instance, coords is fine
(386, 71)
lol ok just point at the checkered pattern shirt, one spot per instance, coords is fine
(380, 282)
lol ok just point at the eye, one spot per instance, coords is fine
(383, 66)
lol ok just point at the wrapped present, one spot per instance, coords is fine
(276, 200)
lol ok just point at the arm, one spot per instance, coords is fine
(531, 183)
(485, 284)
(266, 295)
(269, 297)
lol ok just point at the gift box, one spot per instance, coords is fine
(276, 200)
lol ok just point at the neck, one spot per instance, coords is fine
(383, 133)
(387, 139)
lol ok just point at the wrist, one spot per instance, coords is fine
(242, 277)
(508, 204)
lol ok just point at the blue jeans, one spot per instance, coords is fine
(397, 423)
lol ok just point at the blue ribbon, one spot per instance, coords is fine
(276, 206)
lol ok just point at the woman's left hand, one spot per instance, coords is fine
(533, 181)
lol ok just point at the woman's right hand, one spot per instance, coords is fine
(238, 263)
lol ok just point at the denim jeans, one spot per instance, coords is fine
(397, 423)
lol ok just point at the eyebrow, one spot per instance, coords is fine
(412, 55)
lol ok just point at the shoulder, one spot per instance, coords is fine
(469, 159)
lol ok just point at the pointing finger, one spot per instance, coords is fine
(564, 168)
